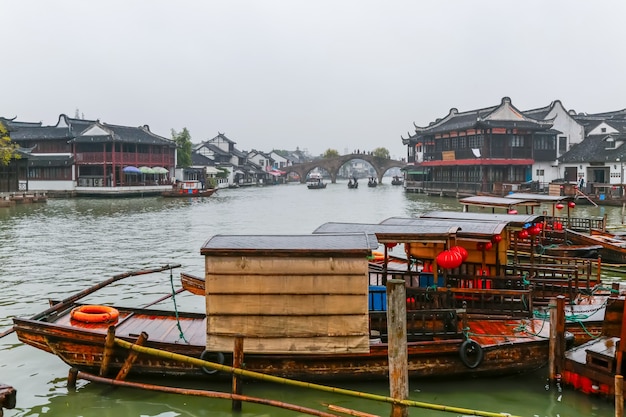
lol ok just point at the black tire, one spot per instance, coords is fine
(471, 353)
(216, 357)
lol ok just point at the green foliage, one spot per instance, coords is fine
(381, 153)
(330, 153)
(223, 173)
(7, 148)
(183, 147)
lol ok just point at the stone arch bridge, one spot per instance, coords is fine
(332, 165)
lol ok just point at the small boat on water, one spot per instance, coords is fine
(315, 182)
(397, 181)
(612, 247)
(305, 310)
(189, 188)
(353, 183)
(372, 182)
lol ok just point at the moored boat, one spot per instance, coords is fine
(305, 309)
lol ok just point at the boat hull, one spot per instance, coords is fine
(181, 193)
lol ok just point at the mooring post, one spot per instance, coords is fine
(557, 336)
(237, 363)
(619, 396)
(397, 345)
(109, 345)
(71, 378)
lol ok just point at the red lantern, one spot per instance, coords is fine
(522, 234)
(462, 251)
(449, 259)
(559, 206)
(558, 226)
(488, 245)
(390, 245)
(480, 246)
(496, 238)
(512, 211)
(571, 204)
(534, 231)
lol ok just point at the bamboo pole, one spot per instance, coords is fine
(201, 393)
(109, 345)
(349, 411)
(123, 372)
(68, 301)
(270, 378)
(397, 351)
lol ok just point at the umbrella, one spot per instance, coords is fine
(131, 170)
(160, 170)
(146, 170)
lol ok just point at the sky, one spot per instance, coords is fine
(312, 75)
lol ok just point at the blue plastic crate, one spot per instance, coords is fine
(378, 298)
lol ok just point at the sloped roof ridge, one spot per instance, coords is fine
(454, 112)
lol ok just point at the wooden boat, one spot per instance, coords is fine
(305, 310)
(612, 246)
(315, 182)
(372, 182)
(397, 181)
(353, 183)
(189, 189)
(592, 367)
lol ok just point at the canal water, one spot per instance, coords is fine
(53, 250)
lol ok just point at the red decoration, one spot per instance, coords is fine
(512, 211)
(390, 245)
(571, 204)
(558, 226)
(496, 238)
(559, 206)
(462, 251)
(488, 245)
(534, 230)
(480, 246)
(522, 234)
(449, 259)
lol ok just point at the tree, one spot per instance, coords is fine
(8, 149)
(381, 153)
(183, 147)
(330, 153)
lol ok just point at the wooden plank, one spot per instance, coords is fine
(287, 326)
(313, 345)
(277, 304)
(285, 283)
(270, 265)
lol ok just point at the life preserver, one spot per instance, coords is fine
(95, 314)
(215, 357)
(471, 353)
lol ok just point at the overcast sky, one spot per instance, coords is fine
(310, 74)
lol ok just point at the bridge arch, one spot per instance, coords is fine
(332, 166)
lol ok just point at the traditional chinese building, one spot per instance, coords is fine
(490, 150)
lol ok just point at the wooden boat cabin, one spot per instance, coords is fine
(288, 293)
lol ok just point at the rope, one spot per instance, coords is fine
(181, 335)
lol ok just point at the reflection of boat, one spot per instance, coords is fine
(396, 180)
(304, 309)
(189, 189)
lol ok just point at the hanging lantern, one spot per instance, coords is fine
(522, 234)
(449, 259)
(462, 251)
(559, 206)
(534, 231)
(571, 204)
(512, 211)
(496, 238)
(488, 245)
(558, 226)
(390, 245)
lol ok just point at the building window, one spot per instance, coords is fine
(562, 144)
(540, 173)
(517, 141)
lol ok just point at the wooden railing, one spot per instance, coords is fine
(421, 324)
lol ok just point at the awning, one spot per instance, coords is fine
(146, 170)
(160, 170)
(131, 170)
(211, 170)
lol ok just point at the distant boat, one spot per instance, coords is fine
(372, 182)
(397, 181)
(315, 182)
(189, 189)
(353, 183)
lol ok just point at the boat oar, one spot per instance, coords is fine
(69, 300)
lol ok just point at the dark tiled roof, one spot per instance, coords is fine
(199, 159)
(50, 160)
(593, 149)
(126, 134)
(41, 133)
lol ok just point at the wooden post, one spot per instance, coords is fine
(71, 378)
(237, 363)
(8, 396)
(121, 375)
(557, 336)
(397, 349)
(109, 345)
(619, 396)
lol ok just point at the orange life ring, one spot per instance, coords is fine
(95, 314)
